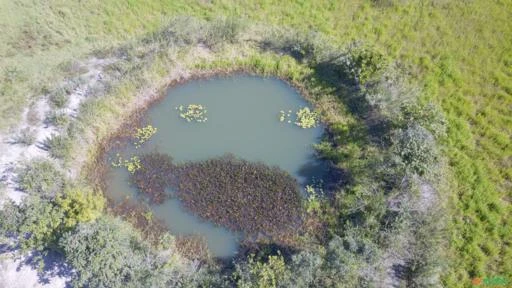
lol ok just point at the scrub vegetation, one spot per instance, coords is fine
(425, 198)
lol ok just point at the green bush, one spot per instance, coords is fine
(59, 146)
(223, 30)
(80, 205)
(416, 148)
(36, 222)
(271, 273)
(59, 98)
(57, 119)
(41, 177)
(109, 253)
(26, 136)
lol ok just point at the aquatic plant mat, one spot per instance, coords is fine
(232, 192)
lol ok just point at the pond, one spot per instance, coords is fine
(243, 117)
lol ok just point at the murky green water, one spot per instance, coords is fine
(243, 119)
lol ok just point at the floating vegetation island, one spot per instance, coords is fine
(193, 112)
(232, 192)
(133, 164)
(143, 134)
(305, 118)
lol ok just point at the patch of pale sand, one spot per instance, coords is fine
(14, 274)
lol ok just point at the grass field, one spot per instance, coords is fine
(460, 52)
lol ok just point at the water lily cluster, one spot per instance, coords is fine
(133, 164)
(143, 134)
(193, 112)
(283, 116)
(305, 118)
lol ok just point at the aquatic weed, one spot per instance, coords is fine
(143, 134)
(193, 112)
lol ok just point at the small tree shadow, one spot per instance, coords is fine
(54, 266)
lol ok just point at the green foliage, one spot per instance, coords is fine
(366, 63)
(26, 136)
(143, 134)
(41, 177)
(104, 253)
(58, 119)
(269, 274)
(80, 205)
(36, 222)
(108, 253)
(416, 148)
(428, 116)
(59, 146)
(469, 80)
(133, 164)
(193, 112)
(59, 98)
(306, 118)
(223, 30)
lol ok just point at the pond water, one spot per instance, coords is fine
(243, 118)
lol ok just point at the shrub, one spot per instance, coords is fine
(59, 146)
(59, 98)
(57, 119)
(103, 253)
(428, 116)
(42, 178)
(183, 31)
(416, 148)
(366, 63)
(269, 274)
(36, 222)
(299, 45)
(109, 253)
(80, 205)
(26, 136)
(223, 30)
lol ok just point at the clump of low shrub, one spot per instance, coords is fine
(223, 30)
(59, 146)
(416, 148)
(154, 176)
(26, 136)
(57, 119)
(241, 195)
(59, 98)
(80, 205)
(109, 253)
(41, 177)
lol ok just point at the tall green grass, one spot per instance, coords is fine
(458, 50)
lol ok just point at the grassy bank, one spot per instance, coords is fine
(454, 50)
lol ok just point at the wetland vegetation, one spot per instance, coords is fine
(416, 121)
